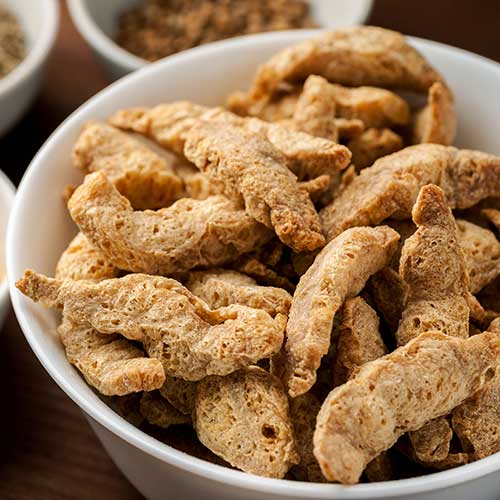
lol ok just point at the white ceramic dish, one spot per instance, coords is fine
(7, 195)
(39, 21)
(40, 229)
(96, 22)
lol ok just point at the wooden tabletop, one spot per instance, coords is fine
(48, 451)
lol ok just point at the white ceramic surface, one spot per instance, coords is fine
(7, 194)
(39, 20)
(40, 229)
(96, 22)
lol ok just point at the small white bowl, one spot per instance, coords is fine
(40, 229)
(7, 195)
(96, 21)
(39, 21)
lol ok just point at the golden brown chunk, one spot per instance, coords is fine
(363, 55)
(493, 215)
(157, 411)
(111, 364)
(221, 288)
(399, 393)
(176, 327)
(145, 178)
(244, 418)
(359, 340)
(482, 254)
(315, 109)
(431, 443)
(254, 172)
(179, 393)
(169, 125)
(187, 234)
(433, 266)
(81, 261)
(436, 122)
(375, 107)
(372, 145)
(339, 271)
(304, 410)
(349, 129)
(387, 290)
(381, 468)
(390, 187)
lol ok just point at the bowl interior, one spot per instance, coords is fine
(40, 227)
(30, 15)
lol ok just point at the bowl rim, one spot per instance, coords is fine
(40, 50)
(114, 423)
(7, 193)
(107, 47)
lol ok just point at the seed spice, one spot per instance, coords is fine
(12, 44)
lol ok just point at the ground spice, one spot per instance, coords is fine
(12, 46)
(158, 28)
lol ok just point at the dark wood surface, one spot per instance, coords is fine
(48, 451)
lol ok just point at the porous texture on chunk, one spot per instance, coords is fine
(482, 254)
(221, 288)
(359, 340)
(81, 261)
(254, 172)
(390, 187)
(315, 109)
(437, 121)
(339, 271)
(187, 234)
(373, 144)
(145, 178)
(158, 411)
(362, 55)
(179, 393)
(398, 393)
(433, 266)
(110, 363)
(169, 125)
(244, 418)
(191, 340)
(304, 411)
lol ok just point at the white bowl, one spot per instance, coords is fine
(96, 21)
(40, 229)
(7, 195)
(39, 20)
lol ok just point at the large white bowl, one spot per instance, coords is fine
(96, 21)
(40, 228)
(39, 21)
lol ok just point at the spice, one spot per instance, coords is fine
(158, 28)
(12, 46)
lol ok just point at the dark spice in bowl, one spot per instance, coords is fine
(158, 28)
(12, 46)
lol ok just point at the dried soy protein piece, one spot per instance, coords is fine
(158, 411)
(399, 393)
(110, 363)
(146, 178)
(437, 121)
(187, 234)
(244, 418)
(315, 109)
(433, 266)
(339, 271)
(254, 172)
(179, 393)
(81, 261)
(362, 55)
(304, 411)
(221, 288)
(373, 144)
(482, 254)
(389, 188)
(190, 340)
(359, 340)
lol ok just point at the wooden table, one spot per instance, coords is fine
(48, 451)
